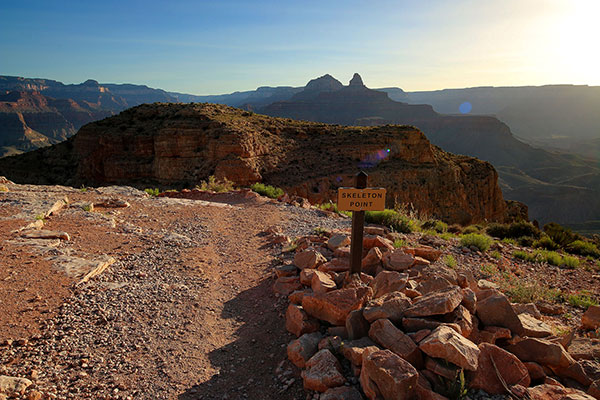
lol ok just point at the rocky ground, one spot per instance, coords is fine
(112, 293)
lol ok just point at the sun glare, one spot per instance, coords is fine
(578, 32)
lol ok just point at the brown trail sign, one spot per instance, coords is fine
(358, 200)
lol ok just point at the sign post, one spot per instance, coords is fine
(358, 200)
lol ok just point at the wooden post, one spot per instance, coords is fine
(358, 224)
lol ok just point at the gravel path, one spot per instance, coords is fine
(187, 311)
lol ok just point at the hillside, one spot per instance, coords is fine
(39, 112)
(552, 115)
(175, 145)
(484, 137)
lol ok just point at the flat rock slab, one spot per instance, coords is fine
(323, 371)
(436, 303)
(533, 327)
(81, 268)
(510, 368)
(45, 234)
(542, 352)
(335, 306)
(13, 385)
(444, 342)
(493, 308)
(591, 318)
(386, 374)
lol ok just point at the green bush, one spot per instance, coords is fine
(583, 248)
(582, 300)
(496, 254)
(526, 241)
(471, 229)
(560, 235)
(450, 261)
(497, 230)
(267, 190)
(545, 243)
(152, 192)
(520, 292)
(521, 228)
(570, 262)
(551, 257)
(523, 255)
(435, 225)
(392, 219)
(399, 243)
(482, 242)
(216, 186)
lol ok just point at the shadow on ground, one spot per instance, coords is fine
(247, 365)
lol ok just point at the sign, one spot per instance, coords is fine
(368, 199)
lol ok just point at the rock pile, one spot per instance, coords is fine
(411, 328)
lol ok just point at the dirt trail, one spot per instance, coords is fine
(187, 311)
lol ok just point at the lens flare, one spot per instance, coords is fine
(371, 160)
(465, 107)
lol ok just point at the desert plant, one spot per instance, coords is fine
(489, 270)
(583, 248)
(399, 243)
(499, 231)
(570, 262)
(392, 219)
(522, 228)
(471, 229)
(267, 190)
(525, 241)
(545, 242)
(216, 186)
(560, 235)
(522, 292)
(152, 192)
(523, 255)
(496, 254)
(435, 225)
(482, 242)
(450, 261)
(582, 299)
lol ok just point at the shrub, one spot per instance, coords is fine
(582, 299)
(447, 235)
(435, 225)
(391, 219)
(497, 230)
(455, 228)
(551, 257)
(521, 228)
(496, 254)
(450, 261)
(471, 229)
(399, 243)
(523, 255)
(482, 242)
(570, 262)
(560, 235)
(152, 192)
(583, 248)
(520, 292)
(267, 190)
(216, 186)
(545, 243)
(489, 270)
(509, 241)
(525, 241)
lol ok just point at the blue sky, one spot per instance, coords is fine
(209, 47)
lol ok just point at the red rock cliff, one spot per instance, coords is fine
(177, 144)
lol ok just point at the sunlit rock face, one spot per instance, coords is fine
(176, 145)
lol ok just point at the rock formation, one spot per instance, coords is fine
(178, 145)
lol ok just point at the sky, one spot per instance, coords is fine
(212, 47)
